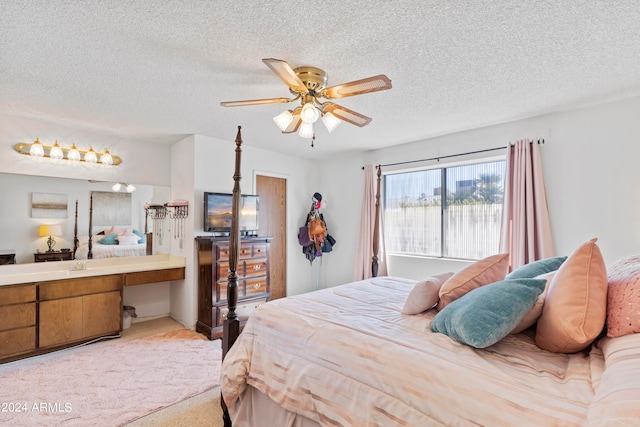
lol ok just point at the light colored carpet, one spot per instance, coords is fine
(166, 378)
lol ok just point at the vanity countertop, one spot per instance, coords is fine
(45, 271)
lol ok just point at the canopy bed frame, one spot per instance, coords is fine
(90, 253)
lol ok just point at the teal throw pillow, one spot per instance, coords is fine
(141, 235)
(485, 315)
(109, 239)
(536, 268)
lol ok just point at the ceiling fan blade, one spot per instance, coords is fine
(295, 123)
(255, 102)
(357, 87)
(347, 115)
(286, 74)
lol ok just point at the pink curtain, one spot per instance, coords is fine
(526, 229)
(364, 254)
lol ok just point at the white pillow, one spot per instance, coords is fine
(127, 240)
(424, 294)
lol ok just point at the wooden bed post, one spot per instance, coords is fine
(376, 228)
(75, 233)
(90, 242)
(231, 325)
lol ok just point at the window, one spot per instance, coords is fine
(452, 212)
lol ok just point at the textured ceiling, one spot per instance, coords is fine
(156, 70)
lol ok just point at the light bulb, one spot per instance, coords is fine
(283, 120)
(106, 158)
(309, 113)
(90, 156)
(130, 188)
(73, 154)
(306, 130)
(116, 187)
(56, 151)
(330, 121)
(36, 149)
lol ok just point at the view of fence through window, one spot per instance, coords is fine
(465, 224)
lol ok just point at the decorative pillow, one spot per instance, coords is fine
(487, 314)
(424, 294)
(112, 230)
(534, 314)
(623, 299)
(127, 240)
(142, 238)
(575, 308)
(126, 232)
(536, 268)
(109, 239)
(480, 273)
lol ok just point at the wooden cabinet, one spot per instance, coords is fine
(53, 256)
(213, 273)
(73, 310)
(17, 319)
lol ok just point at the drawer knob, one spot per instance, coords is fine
(256, 286)
(257, 267)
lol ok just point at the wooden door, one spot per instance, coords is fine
(273, 222)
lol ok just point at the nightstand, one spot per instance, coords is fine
(53, 256)
(7, 257)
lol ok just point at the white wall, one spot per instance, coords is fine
(590, 168)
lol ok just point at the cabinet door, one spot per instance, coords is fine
(101, 314)
(60, 321)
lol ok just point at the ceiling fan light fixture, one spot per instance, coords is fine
(330, 121)
(283, 120)
(309, 113)
(306, 130)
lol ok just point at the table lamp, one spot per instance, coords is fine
(50, 230)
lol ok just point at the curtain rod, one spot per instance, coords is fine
(540, 141)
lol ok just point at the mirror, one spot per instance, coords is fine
(21, 221)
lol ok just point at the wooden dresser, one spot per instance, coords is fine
(213, 273)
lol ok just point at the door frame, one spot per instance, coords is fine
(286, 177)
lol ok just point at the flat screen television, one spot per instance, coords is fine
(217, 212)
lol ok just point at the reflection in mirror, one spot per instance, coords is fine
(31, 201)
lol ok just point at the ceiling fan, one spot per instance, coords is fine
(308, 84)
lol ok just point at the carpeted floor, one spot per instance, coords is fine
(155, 374)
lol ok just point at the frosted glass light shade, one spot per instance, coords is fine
(90, 156)
(130, 188)
(36, 149)
(283, 120)
(330, 121)
(56, 151)
(306, 130)
(116, 187)
(106, 158)
(309, 113)
(73, 153)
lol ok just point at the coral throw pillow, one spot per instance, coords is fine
(623, 299)
(424, 294)
(575, 307)
(488, 270)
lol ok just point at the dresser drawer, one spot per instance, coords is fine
(81, 286)
(245, 251)
(257, 285)
(255, 267)
(17, 316)
(17, 341)
(243, 310)
(17, 294)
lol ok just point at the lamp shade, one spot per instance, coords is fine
(49, 230)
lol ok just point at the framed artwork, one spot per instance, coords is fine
(48, 205)
(111, 208)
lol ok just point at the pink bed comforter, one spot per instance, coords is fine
(346, 356)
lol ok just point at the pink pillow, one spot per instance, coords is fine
(576, 304)
(623, 300)
(488, 270)
(424, 294)
(534, 314)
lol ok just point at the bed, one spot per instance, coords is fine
(351, 355)
(111, 242)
